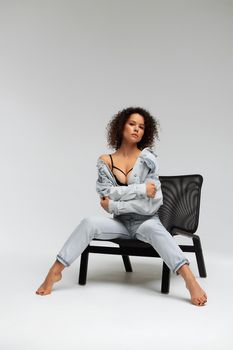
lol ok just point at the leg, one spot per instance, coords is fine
(127, 263)
(54, 275)
(165, 286)
(89, 228)
(199, 256)
(198, 295)
(83, 267)
(152, 231)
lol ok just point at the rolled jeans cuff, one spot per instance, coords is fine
(61, 260)
(181, 263)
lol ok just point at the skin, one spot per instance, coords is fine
(125, 158)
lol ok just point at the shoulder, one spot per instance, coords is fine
(149, 157)
(106, 159)
(149, 152)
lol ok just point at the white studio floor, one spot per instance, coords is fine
(115, 310)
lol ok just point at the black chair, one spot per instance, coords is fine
(179, 214)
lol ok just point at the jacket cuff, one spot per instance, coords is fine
(141, 190)
(112, 206)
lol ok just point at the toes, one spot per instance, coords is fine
(39, 292)
(202, 302)
(198, 302)
(43, 292)
(204, 298)
(195, 301)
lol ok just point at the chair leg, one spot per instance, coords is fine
(199, 256)
(165, 285)
(127, 263)
(83, 266)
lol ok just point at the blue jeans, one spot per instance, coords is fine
(146, 228)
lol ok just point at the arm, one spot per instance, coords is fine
(105, 187)
(144, 206)
(123, 193)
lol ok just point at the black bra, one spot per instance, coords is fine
(113, 166)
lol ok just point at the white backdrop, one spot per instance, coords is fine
(68, 66)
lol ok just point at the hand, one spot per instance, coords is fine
(150, 189)
(104, 202)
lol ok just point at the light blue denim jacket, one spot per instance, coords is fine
(131, 198)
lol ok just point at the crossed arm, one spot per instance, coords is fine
(124, 199)
(108, 204)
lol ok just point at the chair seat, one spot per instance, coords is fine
(127, 242)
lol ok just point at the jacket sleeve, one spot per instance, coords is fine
(104, 187)
(145, 205)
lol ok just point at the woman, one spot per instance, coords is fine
(129, 188)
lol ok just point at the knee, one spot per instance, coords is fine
(86, 227)
(149, 226)
(152, 228)
(89, 221)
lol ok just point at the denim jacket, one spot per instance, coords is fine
(131, 198)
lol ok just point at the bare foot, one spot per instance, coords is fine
(47, 285)
(198, 295)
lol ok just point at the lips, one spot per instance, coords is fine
(135, 135)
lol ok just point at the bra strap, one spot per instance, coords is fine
(111, 160)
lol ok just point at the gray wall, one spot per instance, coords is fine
(68, 66)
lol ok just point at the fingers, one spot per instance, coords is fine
(153, 191)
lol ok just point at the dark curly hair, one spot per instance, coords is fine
(116, 125)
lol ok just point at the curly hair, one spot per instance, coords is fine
(116, 125)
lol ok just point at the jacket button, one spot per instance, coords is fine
(135, 175)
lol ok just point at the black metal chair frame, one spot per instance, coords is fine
(180, 216)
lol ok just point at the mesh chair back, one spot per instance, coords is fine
(181, 202)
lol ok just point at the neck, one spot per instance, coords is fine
(128, 150)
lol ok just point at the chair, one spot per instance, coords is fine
(179, 214)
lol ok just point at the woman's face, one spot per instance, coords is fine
(134, 128)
